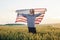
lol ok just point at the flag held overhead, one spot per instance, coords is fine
(38, 19)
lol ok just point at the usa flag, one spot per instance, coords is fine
(38, 19)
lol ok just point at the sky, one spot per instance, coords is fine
(8, 8)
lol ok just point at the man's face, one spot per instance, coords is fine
(31, 11)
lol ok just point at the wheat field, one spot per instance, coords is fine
(20, 32)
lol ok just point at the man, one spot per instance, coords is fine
(31, 20)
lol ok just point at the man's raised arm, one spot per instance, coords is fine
(37, 14)
(24, 15)
(41, 12)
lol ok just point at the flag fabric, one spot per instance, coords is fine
(38, 19)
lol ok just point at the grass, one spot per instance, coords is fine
(20, 32)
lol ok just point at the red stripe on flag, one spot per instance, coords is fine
(39, 9)
(21, 21)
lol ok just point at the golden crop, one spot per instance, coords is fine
(19, 32)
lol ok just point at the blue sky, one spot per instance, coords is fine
(8, 8)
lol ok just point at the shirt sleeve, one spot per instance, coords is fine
(24, 15)
(37, 14)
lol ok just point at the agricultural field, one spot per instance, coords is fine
(20, 32)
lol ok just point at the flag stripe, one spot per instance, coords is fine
(21, 21)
